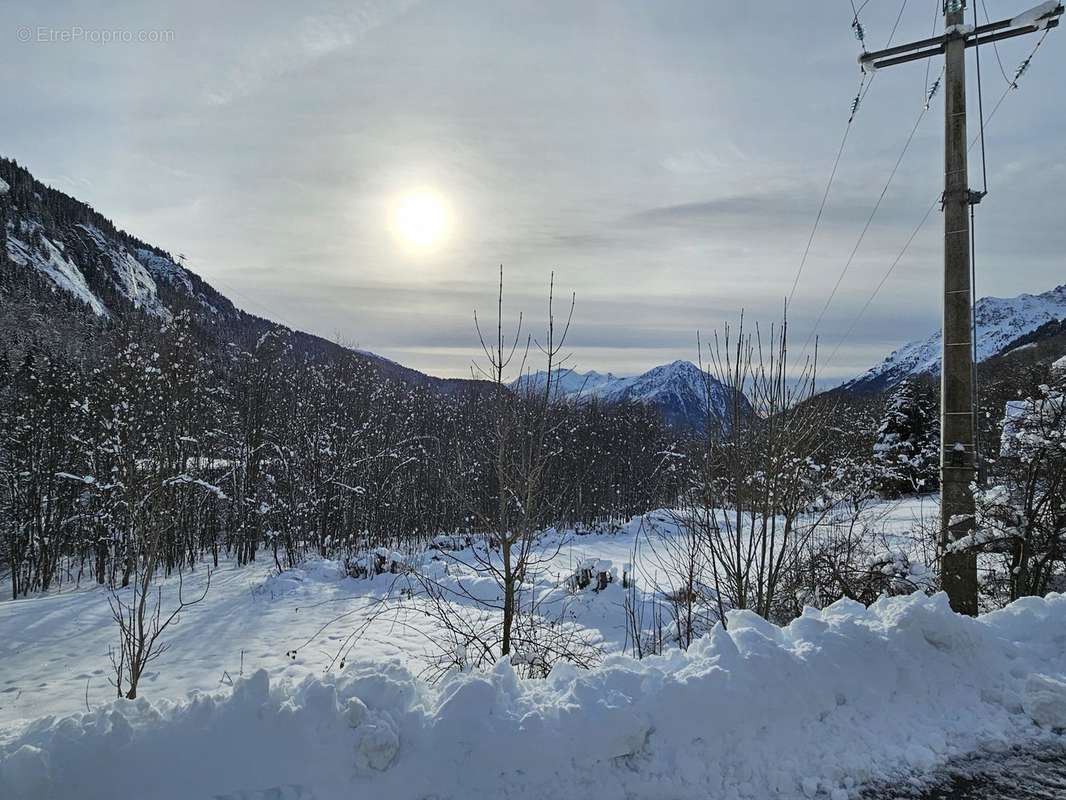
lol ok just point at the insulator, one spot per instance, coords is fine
(856, 26)
(1021, 70)
(933, 90)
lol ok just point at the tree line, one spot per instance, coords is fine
(121, 432)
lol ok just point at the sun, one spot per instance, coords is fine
(421, 219)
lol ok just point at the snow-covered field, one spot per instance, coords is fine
(56, 658)
(242, 704)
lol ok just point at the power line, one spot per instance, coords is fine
(986, 121)
(973, 257)
(980, 108)
(895, 27)
(272, 315)
(865, 229)
(884, 279)
(856, 26)
(929, 61)
(829, 184)
(860, 95)
(995, 47)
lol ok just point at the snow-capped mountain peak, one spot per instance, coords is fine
(680, 390)
(1000, 320)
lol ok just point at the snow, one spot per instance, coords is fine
(135, 275)
(568, 383)
(1039, 16)
(678, 388)
(999, 322)
(817, 708)
(63, 272)
(1030, 424)
(188, 480)
(254, 617)
(4, 187)
(131, 277)
(163, 268)
(838, 698)
(1044, 700)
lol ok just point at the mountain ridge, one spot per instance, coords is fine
(679, 390)
(112, 272)
(1000, 321)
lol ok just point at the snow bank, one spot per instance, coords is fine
(837, 698)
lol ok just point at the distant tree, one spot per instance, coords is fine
(906, 453)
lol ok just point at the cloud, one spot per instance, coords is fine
(299, 45)
(667, 161)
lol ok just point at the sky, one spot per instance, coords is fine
(666, 160)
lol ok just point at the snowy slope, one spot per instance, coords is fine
(48, 258)
(80, 251)
(567, 383)
(999, 322)
(132, 274)
(679, 390)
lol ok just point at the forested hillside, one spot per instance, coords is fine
(149, 409)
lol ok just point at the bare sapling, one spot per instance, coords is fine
(758, 495)
(140, 620)
(524, 444)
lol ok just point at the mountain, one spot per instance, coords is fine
(1000, 322)
(679, 390)
(1051, 336)
(111, 273)
(81, 252)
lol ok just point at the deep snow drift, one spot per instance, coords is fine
(839, 697)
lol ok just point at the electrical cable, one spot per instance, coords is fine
(865, 229)
(976, 388)
(1011, 86)
(860, 95)
(973, 336)
(995, 47)
(825, 195)
(929, 61)
(895, 27)
(884, 279)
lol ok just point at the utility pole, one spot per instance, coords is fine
(958, 417)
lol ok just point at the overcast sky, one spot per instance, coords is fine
(666, 159)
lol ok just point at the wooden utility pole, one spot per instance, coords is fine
(958, 418)
(958, 456)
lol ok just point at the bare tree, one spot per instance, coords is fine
(758, 495)
(527, 436)
(140, 621)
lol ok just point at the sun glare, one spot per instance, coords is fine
(421, 219)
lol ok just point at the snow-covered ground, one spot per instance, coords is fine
(55, 658)
(242, 704)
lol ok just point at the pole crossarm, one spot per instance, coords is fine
(983, 34)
